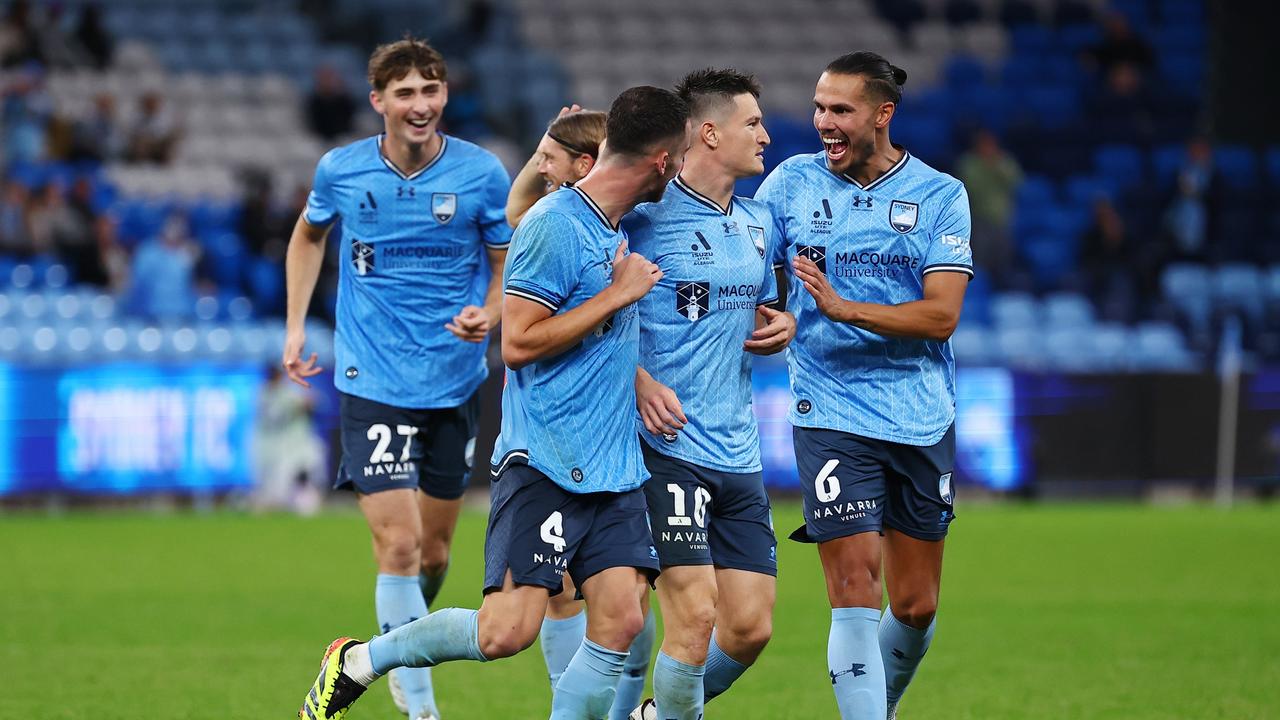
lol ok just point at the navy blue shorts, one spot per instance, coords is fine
(386, 447)
(854, 484)
(701, 516)
(538, 531)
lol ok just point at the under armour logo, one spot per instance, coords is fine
(899, 654)
(855, 670)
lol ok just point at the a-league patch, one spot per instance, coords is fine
(362, 255)
(757, 238)
(902, 215)
(944, 488)
(443, 206)
(693, 299)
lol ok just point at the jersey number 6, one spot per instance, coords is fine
(826, 484)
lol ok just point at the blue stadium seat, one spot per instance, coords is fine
(1237, 164)
(1188, 289)
(1239, 287)
(1015, 310)
(1036, 190)
(227, 258)
(1182, 12)
(965, 71)
(1068, 309)
(1074, 38)
(1052, 106)
(1031, 39)
(1083, 190)
(1160, 347)
(1022, 348)
(1122, 163)
(1165, 163)
(974, 346)
(1272, 161)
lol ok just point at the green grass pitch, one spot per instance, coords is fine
(1088, 612)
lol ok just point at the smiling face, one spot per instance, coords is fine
(411, 107)
(847, 117)
(558, 165)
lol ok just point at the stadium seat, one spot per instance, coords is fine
(974, 346)
(1188, 289)
(1021, 348)
(1121, 163)
(1066, 309)
(1239, 287)
(1160, 347)
(1237, 164)
(1015, 310)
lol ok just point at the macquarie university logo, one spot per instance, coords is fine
(902, 215)
(361, 256)
(757, 238)
(692, 299)
(443, 206)
(816, 253)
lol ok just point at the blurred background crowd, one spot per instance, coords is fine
(155, 156)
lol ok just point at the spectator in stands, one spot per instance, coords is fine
(1190, 212)
(289, 454)
(164, 272)
(330, 108)
(992, 177)
(1122, 110)
(19, 42)
(97, 136)
(77, 245)
(57, 49)
(15, 237)
(1120, 45)
(113, 258)
(25, 114)
(1108, 260)
(154, 133)
(93, 37)
(52, 223)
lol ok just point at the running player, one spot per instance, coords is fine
(707, 504)
(565, 155)
(567, 466)
(880, 243)
(418, 210)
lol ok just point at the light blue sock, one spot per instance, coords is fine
(444, 635)
(560, 639)
(677, 688)
(722, 671)
(399, 601)
(587, 687)
(902, 647)
(431, 584)
(631, 684)
(853, 659)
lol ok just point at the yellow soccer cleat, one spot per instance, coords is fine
(333, 692)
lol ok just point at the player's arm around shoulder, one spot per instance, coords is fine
(544, 271)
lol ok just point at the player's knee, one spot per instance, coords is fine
(916, 612)
(620, 626)
(747, 635)
(398, 551)
(856, 585)
(435, 558)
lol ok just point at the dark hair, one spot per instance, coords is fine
(643, 116)
(393, 61)
(883, 79)
(579, 132)
(710, 88)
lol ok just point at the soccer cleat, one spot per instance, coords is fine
(333, 692)
(893, 712)
(648, 710)
(397, 693)
(428, 716)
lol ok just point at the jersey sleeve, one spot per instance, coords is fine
(322, 206)
(544, 264)
(949, 249)
(494, 230)
(772, 192)
(636, 225)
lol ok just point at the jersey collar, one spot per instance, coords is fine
(594, 207)
(902, 162)
(702, 199)
(444, 144)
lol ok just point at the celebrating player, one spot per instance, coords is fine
(707, 504)
(417, 207)
(880, 243)
(567, 465)
(566, 153)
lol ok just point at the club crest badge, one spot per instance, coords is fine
(902, 215)
(757, 238)
(443, 206)
(692, 299)
(362, 256)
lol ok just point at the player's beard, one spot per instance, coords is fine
(655, 193)
(856, 156)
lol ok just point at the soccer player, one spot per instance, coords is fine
(566, 153)
(707, 504)
(418, 210)
(567, 467)
(880, 243)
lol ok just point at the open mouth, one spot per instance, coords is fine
(422, 124)
(836, 147)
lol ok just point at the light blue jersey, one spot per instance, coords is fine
(715, 271)
(413, 250)
(572, 416)
(875, 244)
